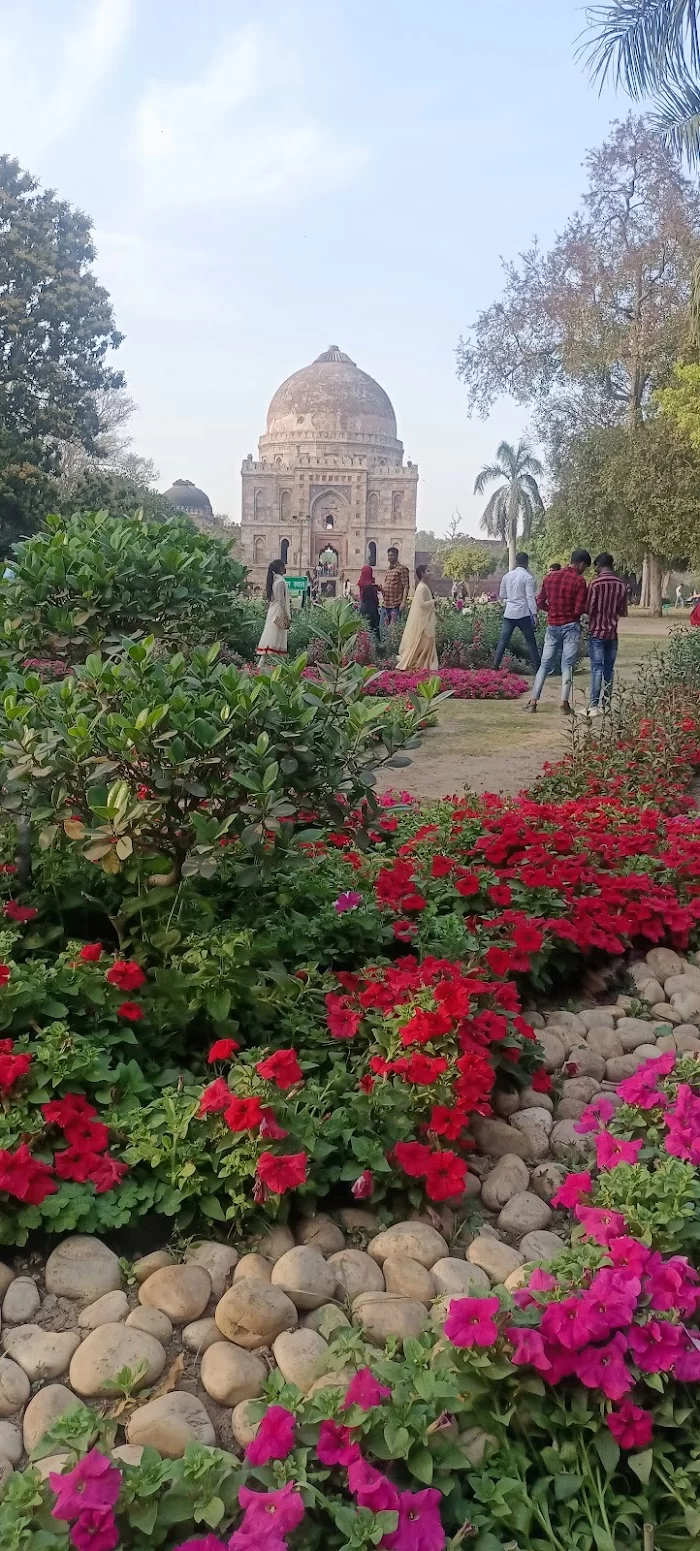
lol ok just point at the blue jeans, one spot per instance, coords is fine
(389, 617)
(602, 655)
(527, 628)
(559, 638)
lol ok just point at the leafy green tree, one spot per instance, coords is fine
(464, 562)
(512, 508)
(652, 49)
(680, 401)
(585, 332)
(632, 490)
(100, 490)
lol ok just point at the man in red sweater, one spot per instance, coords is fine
(563, 596)
(607, 602)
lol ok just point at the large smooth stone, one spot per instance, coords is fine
(320, 1233)
(565, 1136)
(14, 1387)
(605, 1043)
(416, 1239)
(305, 1277)
(106, 1351)
(200, 1335)
(21, 1302)
(408, 1278)
(664, 1012)
(524, 1213)
(170, 1423)
(663, 963)
(43, 1354)
(553, 1050)
(107, 1310)
(218, 1259)
(7, 1275)
(585, 1062)
(686, 1042)
(652, 992)
(566, 1020)
(632, 1032)
(274, 1243)
(547, 1179)
(254, 1313)
(625, 1066)
(596, 1018)
(357, 1272)
(253, 1268)
(145, 1267)
(10, 1443)
(301, 1355)
(83, 1268)
(384, 1314)
(181, 1292)
(570, 1109)
(44, 1409)
(458, 1278)
(245, 1421)
(507, 1177)
(153, 1321)
(531, 1099)
(687, 1003)
(496, 1139)
(534, 1125)
(231, 1374)
(583, 1089)
(541, 1247)
(495, 1258)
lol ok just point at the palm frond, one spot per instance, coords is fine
(494, 520)
(678, 119)
(507, 456)
(531, 489)
(527, 511)
(641, 44)
(489, 472)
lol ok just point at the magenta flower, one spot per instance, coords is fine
(562, 1363)
(202, 1543)
(274, 1438)
(596, 1114)
(271, 1512)
(528, 1348)
(604, 1368)
(629, 1254)
(574, 1188)
(562, 1324)
(669, 1284)
(600, 1224)
(251, 1537)
(371, 1488)
(609, 1304)
(470, 1321)
(540, 1281)
(631, 1425)
(687, 1368)
(365, 1391)
(95, 1530)
(347, 901)
(611, 1150)
(419, 1527)
(640, 1088)
(656, 1345)
(335, 1445)
(93, 1483)
(363, 1187)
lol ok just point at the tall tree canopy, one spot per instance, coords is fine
(56, 323)
(511, 509)
(652, 49)
(585, 332)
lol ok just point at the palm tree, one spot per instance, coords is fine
(517, 500)
(651, 48)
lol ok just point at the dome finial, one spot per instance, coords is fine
(333, 353)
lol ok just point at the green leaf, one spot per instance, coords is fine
(641, 1465)
(218, 1005)
(608, 1451)
(420, 1463)
(211, 1208)
(566, 1487)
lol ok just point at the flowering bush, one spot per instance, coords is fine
(462, 684)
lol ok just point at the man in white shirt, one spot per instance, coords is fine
(517, 591)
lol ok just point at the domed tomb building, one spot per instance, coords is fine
(183, 496)
(330, 488)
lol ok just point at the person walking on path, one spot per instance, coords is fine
(418, 649)
(394, 588)
(369, 598)
(606, 603)
(273, 641)
(517, 591)
(563, 595)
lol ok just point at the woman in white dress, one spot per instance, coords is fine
(273, 641)
(418, 649)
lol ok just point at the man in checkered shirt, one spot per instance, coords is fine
(563, 595)
(394, 588)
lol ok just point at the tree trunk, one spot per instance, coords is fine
(644, 590)
(655, 594)
(513, 508)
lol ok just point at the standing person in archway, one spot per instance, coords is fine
(563, 595)
(273, 641)
(394, 588)
(517, 591)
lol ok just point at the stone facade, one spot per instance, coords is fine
(330, 487)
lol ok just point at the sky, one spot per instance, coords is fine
(267, 179)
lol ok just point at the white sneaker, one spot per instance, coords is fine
(587, 711)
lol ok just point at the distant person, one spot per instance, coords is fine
(563, 596)
(418, 649)
(347, 590)
(273, 641)
(459, 595)
(680, 600)
(394, 588)
(555, 566)
(308, 591)
(517, 591)
(369, 598)
(607, 602)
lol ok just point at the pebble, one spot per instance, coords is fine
(665, 1011)
(541, 1247)
(686, 1042)
(21, 1302)
(568, 1040)
(11, 1447)
(14, 1387)
(581, 1088)
(274, 1243)
(83, 1268)
(301, 1355)
(145, 1267)
(170, 1423)
(218, 1259)
(200, 1335)
(689, 981)
(245, 1422)
(44, 1409)
(632, 1032)
(652, 992)
(531, 1099)
(496, 1259)
(355, 1218)
(547, 1179)
(505, 1103)
(230, 1374)
(320, 1233)
(254, 1268)
(535, 1126)
(7, 1276)
(472, 1187)
(663, 962)
(181, 1292)
(524, 1213)
(624, 1066)
(305, 1277)
(553, 1050)
(567, 1020)
(408, 1278)
(52, 1465)
(418, 1240)
(326, 1320)
(564, 1136)
(496, 1139)
(605, 1043)
(458, 1278)
(107, 1310)
(108, 1349)
(383, 1314)
(507, 1177)
(253, 1314)
(570, 1109)
(153, 1321)
(641, 973)
(596, 1018)
(43, 1354)
(687, 1003)
(585, 1062)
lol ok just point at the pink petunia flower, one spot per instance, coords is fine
(93, 1483)
(596, 1114)
(629, 1254)
(347, 901)
(631, 1425)
(419, 1527)
(335, 1445)
(365, 1391)
(274, 1438)
(280, 1511)
(604, 1368)
(574, 1188)
(656, 1345)
(611, 1150)
(528, 1348)
(95, 1530)
(600, 1223)
(371, 1488)
(470, 1322)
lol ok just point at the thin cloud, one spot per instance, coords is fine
(235, 132)
(43, 102)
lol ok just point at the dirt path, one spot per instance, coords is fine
(497, 746)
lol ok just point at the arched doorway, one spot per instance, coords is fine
(371, 553)
(328, 568)
(284, 550)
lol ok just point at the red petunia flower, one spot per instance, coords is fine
(244, 1114)
(214, 1098)
(5, 973)
(132, 1011)
(541, 1082)
(19, 913)
(281, 1068)
(498, 959)
(445, 1176)
(126, 974)
(64, 1112)
(91, 952)
(279, 1174)
(413, 1158)
(12, 1067)
(107, 1173)
(222, 1050)
(25, 1177)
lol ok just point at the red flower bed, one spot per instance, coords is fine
(462, 683)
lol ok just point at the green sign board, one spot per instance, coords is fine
(296, 583)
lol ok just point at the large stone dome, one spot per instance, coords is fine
(331, 400)
(185, 497)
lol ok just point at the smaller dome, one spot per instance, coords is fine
(185, 497)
